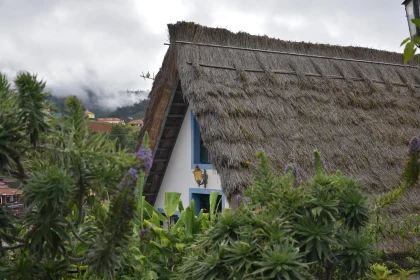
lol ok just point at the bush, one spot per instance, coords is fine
(286, 231)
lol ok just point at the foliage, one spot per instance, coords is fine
(158, 242)
(411, 44)
(135, 111)
(69, 177)
(125, 137)
(285, 231)
(85, 210)
(382, 272)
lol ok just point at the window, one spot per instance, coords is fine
(9, 199)
(200, 154)
(202, 200)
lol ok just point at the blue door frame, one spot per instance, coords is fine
(195, 194)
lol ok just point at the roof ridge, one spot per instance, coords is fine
(296, 54)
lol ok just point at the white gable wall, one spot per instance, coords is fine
(178, 176)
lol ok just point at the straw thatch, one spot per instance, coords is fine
(359, 115)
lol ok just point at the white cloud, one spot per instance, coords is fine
(106, 44)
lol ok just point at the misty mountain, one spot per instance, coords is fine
(120, 104)
(132, 112)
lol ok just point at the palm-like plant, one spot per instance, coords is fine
(315, 238)
(66, 173)
(11, 135)
(285, 231)
(355, 254)
(281, 262)
(30, 99)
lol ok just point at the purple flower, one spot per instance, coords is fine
(143, 232)
(146, 157)
(238, 200)
(133, 172)
(292, 167)
(148, 162)
(253, 165)
(414, 146)
(71, 172)
(142, 153)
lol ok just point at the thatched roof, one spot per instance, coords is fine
(359, 107)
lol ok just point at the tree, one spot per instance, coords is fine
(125, 137)
(66, 176)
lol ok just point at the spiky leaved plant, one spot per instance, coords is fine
(30, 99)
(286, 229)
(67, 174)
(106, 253)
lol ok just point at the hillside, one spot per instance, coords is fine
(126, 113)
(99, 111)
(132, 112)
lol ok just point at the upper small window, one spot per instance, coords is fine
(204, 153)
(200, 154)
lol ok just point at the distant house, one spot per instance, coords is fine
(221, 96)
(10, 197)
(136, 123)
(89, 114)
(110, 120)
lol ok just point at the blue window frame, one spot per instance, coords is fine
(200, 154)
(201, 199)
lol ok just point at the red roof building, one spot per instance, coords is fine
(136, 123)
(10, 197)
(111, 120)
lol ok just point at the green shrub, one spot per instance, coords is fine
(286, 231)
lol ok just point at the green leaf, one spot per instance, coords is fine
(150, 209)
(416, 40)
(155, 219)
(213, 204)
(409, 52)
(416, 21)
(189, 219)
(180, 206)
(180, 246)
(319, 166)
(405, 41)
(171, 203)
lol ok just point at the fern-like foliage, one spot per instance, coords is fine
(47, 194)
(11, 135)
(30, 101)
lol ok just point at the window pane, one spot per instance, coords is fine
(204, 153)
(203, 201)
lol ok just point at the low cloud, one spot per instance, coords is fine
(102, 46)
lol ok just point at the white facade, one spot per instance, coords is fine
(178, 176)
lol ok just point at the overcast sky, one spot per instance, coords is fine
(104, 45)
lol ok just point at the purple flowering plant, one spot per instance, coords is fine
(292, 167)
